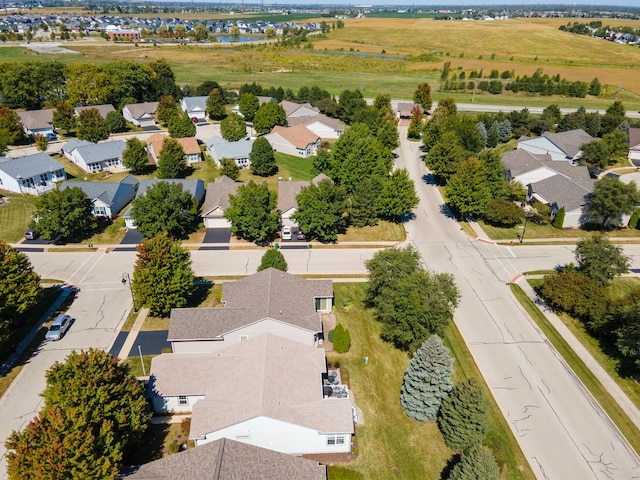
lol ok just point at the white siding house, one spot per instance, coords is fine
(216, 201)
(141, 114)
(33, 174)
(320, 125)
(634, 146)
(238, 151)
(195, 107)
(108, 198)
(564, 146)
(287, 202)
(97, 157)
(298, 141)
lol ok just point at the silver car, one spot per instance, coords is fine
(60, 325)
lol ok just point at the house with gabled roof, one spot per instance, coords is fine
(228, 459)
(33, 174)
(563, 146)
(269, 301)
(37, 122)
(195, 107)
(405, 109)
(103, 110)
(267, 391)
(189, 145)
(108, 198)
(321, 125)
(292, 109)
(238, 151)
(297, 140)
(261, 100)
(194, 187)
(141, 114)
(634, 146)
(96, 157)
(287, 202)
(216, 202)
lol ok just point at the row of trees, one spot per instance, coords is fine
(461, 410)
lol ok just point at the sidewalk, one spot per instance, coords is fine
(596, 369)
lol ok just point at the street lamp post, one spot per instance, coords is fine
(524, 229)
(126, 280)
(144, 371)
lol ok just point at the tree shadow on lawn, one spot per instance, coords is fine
(151, 446)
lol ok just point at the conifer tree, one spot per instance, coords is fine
(427, 380)
(478, 464)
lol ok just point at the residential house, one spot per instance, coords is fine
(108, 198)
(34, 174)
(103, 110)
(195, 107)
(564, 146)
(194, 187)
(297, 140)
(634, 146)
(321, 125)
(269, 301)
(71, 145)
(238, 151)
(190, 146)
(37, 122)
(405, 109)
(267, 391)
(97, 157)
(216, 201)
(141, 114)
(555, 183)
(292, 109)
(261, 100)
(227, 459)
(287, 193)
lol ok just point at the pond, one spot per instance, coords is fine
(239, 39)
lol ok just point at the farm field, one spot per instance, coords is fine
(393, 55)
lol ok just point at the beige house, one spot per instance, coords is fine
(298, 140)
(189, 145)
(216, 201)
(141, 114)
(321, 125)
(287, 193)
(269, 301)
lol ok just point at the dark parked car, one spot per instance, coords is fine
(300, 235)
(31, 235)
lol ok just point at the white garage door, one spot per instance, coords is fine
(217, 223)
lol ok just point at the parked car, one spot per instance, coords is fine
(31, 235)
(286, 233)
(300, 235)
(59, 327)
(51, 136)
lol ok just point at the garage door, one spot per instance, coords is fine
(148, 123)
(217, 223)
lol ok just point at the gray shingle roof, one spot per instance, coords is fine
(102, 109)
(227, 459)
(192, 102)
(280, 379)
(29, 166)
(521, 161)
(266, 294)
(570, 141)
(218, 194)
(99, 152)
(74, 143)
(634, 137)
(37, 119)
(291, 107)
(137, 110)
(321, 118)
(107, 192)
(220, 148)
(564, 191)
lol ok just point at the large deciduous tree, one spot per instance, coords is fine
(10, 126)
(467, 190)
(215, 104)
(427, 380)
(66, 212)
(94, 412)
(89, 84)
(167, 108)
(321, 210)
(162, 276)
(398, 196)
(611, 199)
(181, 126)
(164, 207)
(422, 96)
(252, 213)
(134, 156)
(91, 126)
(233, 128)
(446, 155)
(463, 418)
(263, 160)
(171, 162)
(115, 122)
(268, 116)
(601, 260)
(273, 258)
(249, 105)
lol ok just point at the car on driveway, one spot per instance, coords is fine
(59, 327)
(300, 236)
(286, 233)
(31, 235)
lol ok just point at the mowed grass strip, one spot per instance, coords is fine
(16, 215)
(390, 445)
(602, 396)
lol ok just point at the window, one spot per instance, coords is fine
(322, 304)
(100, 211)
(183, 400)
(335, 439)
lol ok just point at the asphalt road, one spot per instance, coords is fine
(562, 431)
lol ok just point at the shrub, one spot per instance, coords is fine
(633, 221)
(341, 339)
(330, 335)
(558, 221)
(503, 213)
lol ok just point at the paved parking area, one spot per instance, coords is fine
(150, 342)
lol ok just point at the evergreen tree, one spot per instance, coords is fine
(483, 132)
(263, 160)
(478, 464)
(134, 156)
(463, 417)
(398, 196)
(171, 162)
(427, 380)
(273, 258)
(233, 128)
(493, 135)
(362, 203)
(505, 130)
(162, 276)
(341, 339)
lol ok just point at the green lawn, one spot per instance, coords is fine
(389, 443)
(547, 231)
(603, 397)
(16, 215)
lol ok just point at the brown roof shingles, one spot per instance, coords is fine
(298, 135)
(218, 192)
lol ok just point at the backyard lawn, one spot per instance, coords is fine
(16, 215)
(389, 443)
